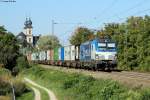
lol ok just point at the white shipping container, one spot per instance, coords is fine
(72, 52)
(59, 53)
(77, 52)
(48, 54)
(43, 55)
(67, 53)
(40, 56)
(34, 56)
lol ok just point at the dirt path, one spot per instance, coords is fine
(36, 93)
(132, 79)
(50, 93)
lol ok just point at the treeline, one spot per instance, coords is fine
(132, 37)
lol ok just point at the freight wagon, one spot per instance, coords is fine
(71, 55)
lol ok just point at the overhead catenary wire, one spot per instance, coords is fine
(119, 19)
(105, 10)
(65, 23)
(122, 12)
(60, 23)
(133, 7)
(128, 10)
(138, 12)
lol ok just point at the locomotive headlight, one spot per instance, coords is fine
(96, 56)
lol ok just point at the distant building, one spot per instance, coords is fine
(27, 35)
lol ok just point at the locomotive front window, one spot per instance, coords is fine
(102, 46)
(111, 45)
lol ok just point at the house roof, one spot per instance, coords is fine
(21, 34)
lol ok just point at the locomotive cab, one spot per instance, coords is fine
(103, 52)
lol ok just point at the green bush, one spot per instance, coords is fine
(22, 62)
(70, 83)
(145, 95)
(145, 66)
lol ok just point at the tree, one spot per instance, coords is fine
(2, 30)
(101, 34)
(109, 30)
(48, 42)
(9, 49)
(81, 35)
(133, 42)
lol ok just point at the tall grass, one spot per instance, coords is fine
(5, 77)
(75, 86)
(5, 85)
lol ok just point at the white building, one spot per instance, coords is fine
(27, 35)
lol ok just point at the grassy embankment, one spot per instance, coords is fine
(21, 91)
(75, 86)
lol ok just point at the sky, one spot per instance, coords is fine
(68, 14)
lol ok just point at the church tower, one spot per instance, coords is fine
(28, 31)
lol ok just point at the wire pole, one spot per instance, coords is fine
(126, 44)
(52, 27)
(52, 33)
(13, 91)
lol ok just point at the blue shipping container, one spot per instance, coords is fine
(62, 53)
(85, 51)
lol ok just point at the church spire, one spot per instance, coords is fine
(28, 30)
(28, 23)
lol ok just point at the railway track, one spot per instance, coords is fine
(142, 76)
(131, 79)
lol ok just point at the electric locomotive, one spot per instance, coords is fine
(99, 54)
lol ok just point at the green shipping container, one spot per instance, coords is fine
(56, 56)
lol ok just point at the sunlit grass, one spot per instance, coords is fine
(73, 86)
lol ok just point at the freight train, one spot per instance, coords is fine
(95, 54)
